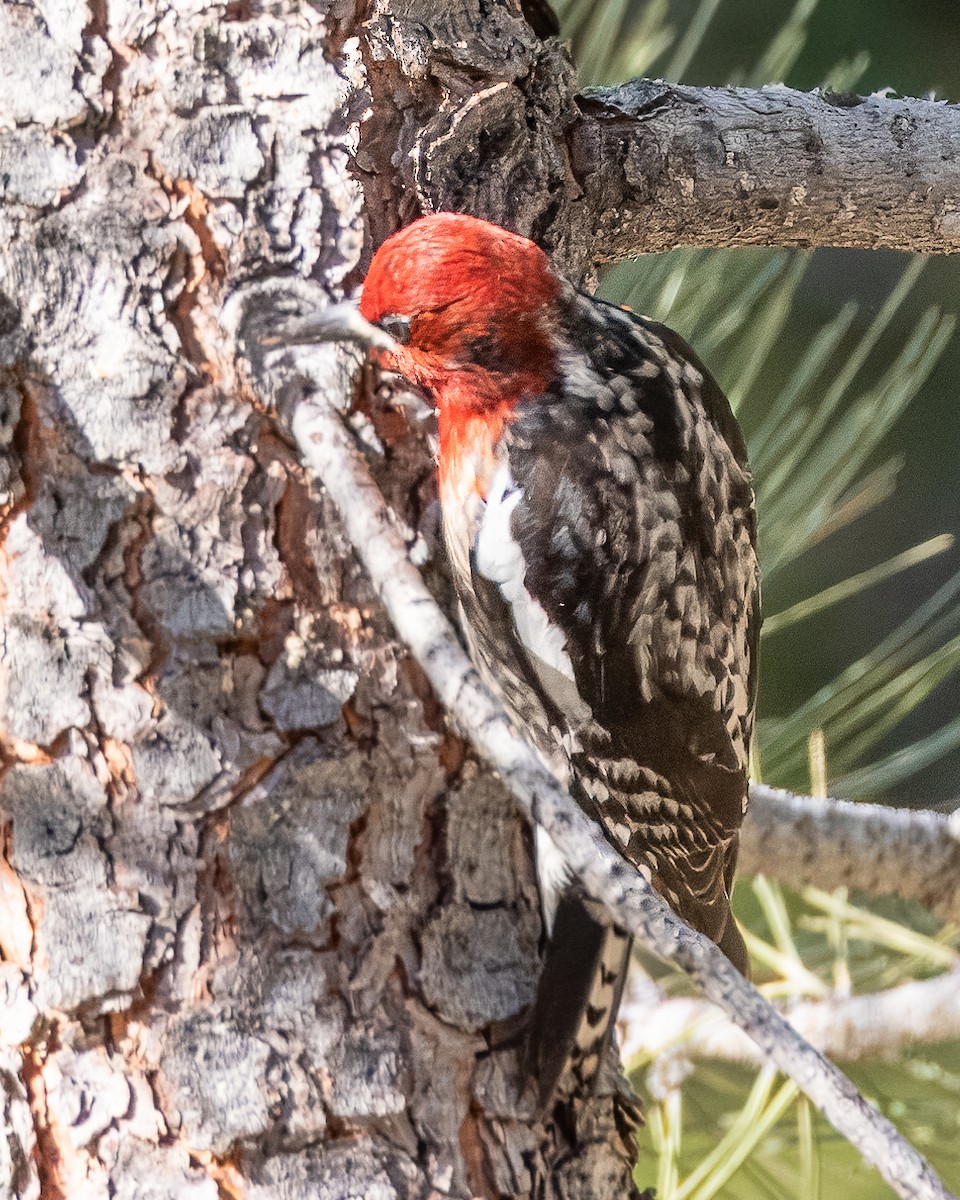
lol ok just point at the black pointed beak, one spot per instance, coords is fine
(338, 323)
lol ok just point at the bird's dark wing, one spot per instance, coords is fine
(637, 531)
(613, 603)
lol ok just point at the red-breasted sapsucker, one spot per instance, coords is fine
(599, 520)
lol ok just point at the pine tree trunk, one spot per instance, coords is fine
(265, 930)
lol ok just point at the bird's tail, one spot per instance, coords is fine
(577, 999)
(578, 996)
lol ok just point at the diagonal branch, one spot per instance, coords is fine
(328, 451)
(663, 166)
(835, 843)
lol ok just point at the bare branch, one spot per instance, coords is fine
(848, 1028)
(330, 454)
(663, 166)
(835, 843)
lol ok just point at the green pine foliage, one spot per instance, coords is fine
(822, 445)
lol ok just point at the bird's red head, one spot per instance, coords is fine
(470, 293)
(471, 304)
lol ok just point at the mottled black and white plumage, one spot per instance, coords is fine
(608, 590)
(598, 516)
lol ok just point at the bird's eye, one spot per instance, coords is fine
(398, 327)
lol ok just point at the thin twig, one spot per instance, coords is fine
(329, 452)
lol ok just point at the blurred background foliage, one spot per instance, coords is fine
(843, 368)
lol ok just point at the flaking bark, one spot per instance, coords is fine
(236, 867)
(254, 899)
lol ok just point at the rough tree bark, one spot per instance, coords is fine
(256, 910)
(259, 911)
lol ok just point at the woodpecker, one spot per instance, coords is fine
(599, 521)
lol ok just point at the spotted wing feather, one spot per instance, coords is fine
(613, 602)
(652, 579)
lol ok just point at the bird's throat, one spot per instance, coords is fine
(468, 440)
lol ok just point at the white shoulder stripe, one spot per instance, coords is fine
(499, 558)
(553, 874)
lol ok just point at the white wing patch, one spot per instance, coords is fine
(499, 559)
(553, 874)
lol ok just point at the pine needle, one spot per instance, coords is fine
(857, 583)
